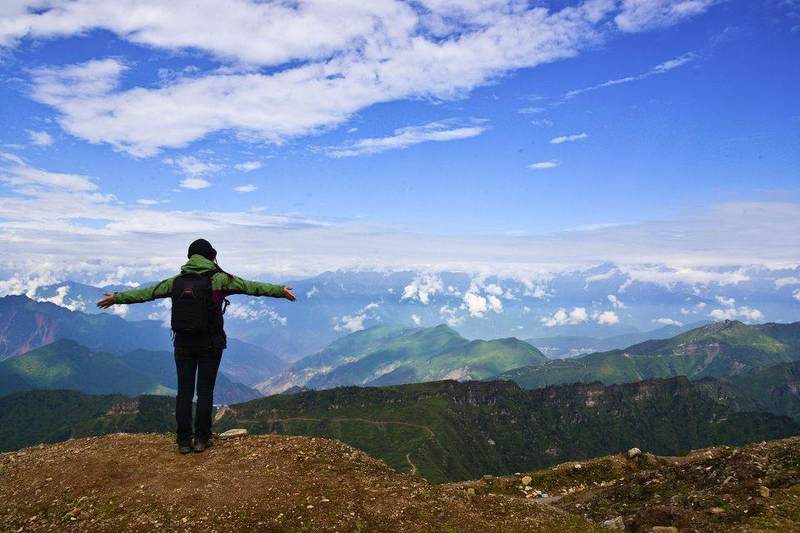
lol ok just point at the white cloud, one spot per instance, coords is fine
(783, 282)
(638, 15)
(75, 304)
(667, 322)
(732, 313)
(248, 166)
(355, 322)
(416, 319)
(541, 165)
(409, 136)
(194, 183)
(579, 315)
(606, 318)
(728, 302)
(193, 167)
(561, 317)
(311, 293)
(150, 201)
(84, 234)
(616, 302)
(246, 188)
(661, 68)
(252, 311)
(331, 61)
(422, 288)
(568, 138)
(40, 138)
(18, 173)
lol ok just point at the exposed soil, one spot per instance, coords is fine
(754, 488)
(127, 482)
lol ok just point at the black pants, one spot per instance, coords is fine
(204, 364)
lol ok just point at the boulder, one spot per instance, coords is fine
(233, 433)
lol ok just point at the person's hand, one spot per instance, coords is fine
(106, 302)
(287, 293)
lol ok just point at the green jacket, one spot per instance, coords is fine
(221, 285)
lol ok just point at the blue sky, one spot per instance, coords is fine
(416, 134)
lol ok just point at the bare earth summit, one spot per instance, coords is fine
(136, 482)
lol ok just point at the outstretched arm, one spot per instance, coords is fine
(135, 296)
(237, 285)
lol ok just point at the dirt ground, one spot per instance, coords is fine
(135, 482)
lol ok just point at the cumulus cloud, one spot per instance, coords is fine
(667, 322)
(192, 166)
(542, 165)
(568, 138)
(252, 311)
(605, 318)
(246, 188)
(409, 136)
(728, 302)
(416, 319)
(40, 138)
(195, 183)
(561, 317)
(355, 322)
(616, 302)
(59, 298)
(786, 281)
(744, 313)
(422, 288)
(248, 166)
(579, 315)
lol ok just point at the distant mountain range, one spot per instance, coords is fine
(26, 324)
(442, 430)
(386, 355)
(722, 349)
(65, 364)
(565, 346)
(598, 302)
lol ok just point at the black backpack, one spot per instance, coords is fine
(192, 306)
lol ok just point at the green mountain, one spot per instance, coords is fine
(388, 355)
(717, 350)
(775, 389)
(26, 324)
(65, 364)
(444, 430)
(160, 365)
(37, 416)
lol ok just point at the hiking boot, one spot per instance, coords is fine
(200, 446)
(184, 448)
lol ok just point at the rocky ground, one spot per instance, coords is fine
(138, 482)
(754, 488)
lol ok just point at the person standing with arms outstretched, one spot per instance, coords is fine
(198, 296)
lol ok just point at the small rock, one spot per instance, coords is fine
(717, 510)
(526, 480)
(577, 466)
(664, 529)
(634, 452)
(470, 491)
(488, 477)
(233, 433)
(614, 523)
(764, 492)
